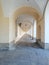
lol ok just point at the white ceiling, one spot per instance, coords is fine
(10, 5)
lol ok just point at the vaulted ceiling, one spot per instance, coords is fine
(25, 22)
(9, 6)
(25, 18)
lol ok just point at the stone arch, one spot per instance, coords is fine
(22, 10)
(27, 10)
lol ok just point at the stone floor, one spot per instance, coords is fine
(24, 55)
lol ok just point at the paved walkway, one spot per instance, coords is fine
(24, 55)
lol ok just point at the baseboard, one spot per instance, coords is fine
(7, 46)
(4, 46)
(12, 45)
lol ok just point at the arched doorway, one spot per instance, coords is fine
(12, 21)
(25, 27)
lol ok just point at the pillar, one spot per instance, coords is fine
(47, 27)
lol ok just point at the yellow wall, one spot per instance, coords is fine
(4, 27)
(41, 24)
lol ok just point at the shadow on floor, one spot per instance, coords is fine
(27, 41)
(24, 44)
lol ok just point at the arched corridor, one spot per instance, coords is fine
(24, 33)
(25, 22)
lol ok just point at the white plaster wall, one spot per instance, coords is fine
(4, 32)
(47, 24)
(6, 7)
(4, 27)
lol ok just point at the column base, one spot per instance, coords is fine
(12, 46)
